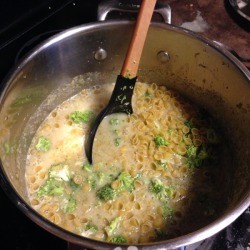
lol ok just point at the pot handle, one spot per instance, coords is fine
(105, 7)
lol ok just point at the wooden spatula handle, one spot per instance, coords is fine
(131, 62)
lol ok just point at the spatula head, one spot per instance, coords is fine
(120, 102)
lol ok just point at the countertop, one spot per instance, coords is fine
(223, 23)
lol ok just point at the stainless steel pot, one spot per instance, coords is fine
(199, 69)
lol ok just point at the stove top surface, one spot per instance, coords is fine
(25, 23)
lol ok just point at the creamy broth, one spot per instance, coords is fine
(157, 173)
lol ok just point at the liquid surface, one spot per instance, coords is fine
(157, 173)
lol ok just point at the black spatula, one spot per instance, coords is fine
(120, 101)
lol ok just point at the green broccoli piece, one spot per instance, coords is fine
(43, 144)
(71, 205)
(163, 163)
(91, 227)
(87, 167)
(81, 117)
(162, 192)
(194, 162)
(196, 156)
(117, 141)
(106, 193)
(192, 151)
(114, 121)
(127, 182)
(92, 182)
(118, 239)
(148, 94)
(156, 186)
(112, 226)
(115, 131)
(60, 172)
(189, 124)
(159, 234)
(192, 159)
(166, 193)
(9, 148)
(203, 153)
(21, 101)
(160, 141)
(167, 212)
(52, 187)
(171, 131)
(101, 177)
(72, 184)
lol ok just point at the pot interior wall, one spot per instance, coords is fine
(65, 65)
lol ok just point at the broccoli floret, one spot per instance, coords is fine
(51, 187)
(203, 153)
(167, 212)
(21, 101)
(114, 121)
(156, 186)
(189, 124)
(111, 177)
(192, 157)
(148, 94)
(87, 167)
(81, 117)
(71, 205)
(112, 226)
(106, 193)
(43, 144)
(196, 156)
(162, 192)
(9, 148)
(92, 182)
(91, 227)
(115, 131)
(163, 163)
(159, 234)
(194, 162)
(171, 131)
(127, 182)
(118, 239)
(192, 151)
(101, 177)
(72, 184)
(160, 141)
(166, 193)
(60, 172)
(117, 141)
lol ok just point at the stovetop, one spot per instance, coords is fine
(25, 23)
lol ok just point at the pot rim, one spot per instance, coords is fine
(223, 221)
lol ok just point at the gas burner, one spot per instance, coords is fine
(242, 7)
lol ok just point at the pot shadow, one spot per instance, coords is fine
(207, 197)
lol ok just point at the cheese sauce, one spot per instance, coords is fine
(156, 175)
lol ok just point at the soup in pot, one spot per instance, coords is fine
(157, 173)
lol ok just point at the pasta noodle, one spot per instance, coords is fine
(146, 167)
